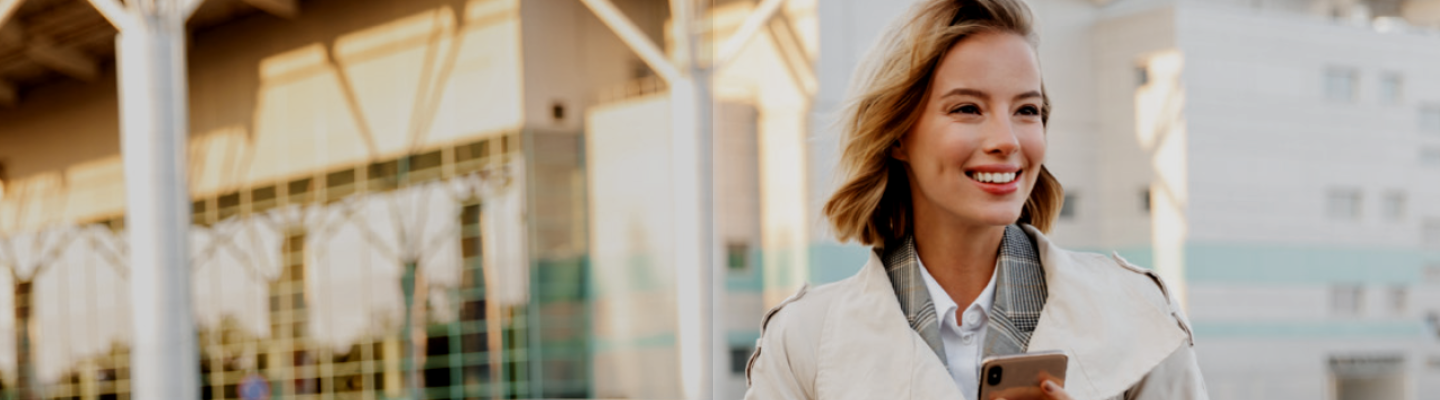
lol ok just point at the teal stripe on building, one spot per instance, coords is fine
(1310, 330)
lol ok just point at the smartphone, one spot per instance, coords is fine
(1019, 375)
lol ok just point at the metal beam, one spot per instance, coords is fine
(288, 9)
(7, 9)
(188, 7)
(11, 35)
(634, 38)
(65, 60)
(753, 23)
(114, 12)
(8, 95)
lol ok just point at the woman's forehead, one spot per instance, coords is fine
(998, 64)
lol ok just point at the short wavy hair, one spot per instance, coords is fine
(873, 204)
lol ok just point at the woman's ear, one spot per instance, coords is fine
(898, 151)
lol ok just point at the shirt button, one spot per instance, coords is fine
(972, 318)
(967, 338)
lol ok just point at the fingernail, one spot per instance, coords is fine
(1050, 386)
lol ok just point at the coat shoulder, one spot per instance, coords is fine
(1144, 281)
(800, 313)
(790, 332)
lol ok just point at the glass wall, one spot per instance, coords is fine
(422, 276)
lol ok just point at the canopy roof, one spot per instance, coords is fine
(47, 41)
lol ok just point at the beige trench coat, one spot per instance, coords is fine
(1124, 334)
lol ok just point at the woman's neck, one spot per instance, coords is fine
(960, 257)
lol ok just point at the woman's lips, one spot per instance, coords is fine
(997, 188)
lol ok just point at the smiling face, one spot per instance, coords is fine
(975, 152)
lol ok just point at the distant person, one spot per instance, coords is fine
(943, 176)
(254, 387)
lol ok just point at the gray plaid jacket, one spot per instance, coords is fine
(1019, 294)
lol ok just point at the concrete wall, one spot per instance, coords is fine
(1265, 147)
(631, 238)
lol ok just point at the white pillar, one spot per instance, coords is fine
(693, 196)
(154, 127)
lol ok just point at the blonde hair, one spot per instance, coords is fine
(873, 204)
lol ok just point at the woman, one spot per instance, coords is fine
(944, 149)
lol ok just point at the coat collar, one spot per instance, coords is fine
(1019, 294)
(1112, 322)
(1096, 311)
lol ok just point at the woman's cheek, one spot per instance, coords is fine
(1033, 147)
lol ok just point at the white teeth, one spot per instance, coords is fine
(996, 177)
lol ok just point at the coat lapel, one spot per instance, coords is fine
(1104, 319)
(1019, 295)
(870, 352)
(903, 269)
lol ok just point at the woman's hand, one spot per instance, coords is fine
(1049, 388)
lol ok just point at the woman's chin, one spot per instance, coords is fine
(995, 217)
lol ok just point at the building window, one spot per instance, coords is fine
(1346, 299)
(1340, 84)
(1343, 204)
(1430, 234)
(1368, 376)
(1067, 209)
(1399, 299)
(1394, 206)
(1145, 199)
(1430, 157)
(1390, 88)
(737, 256)
(1430, 119)
(739, 359)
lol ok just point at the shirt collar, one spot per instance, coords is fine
(946, 306)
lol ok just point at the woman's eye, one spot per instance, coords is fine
(1029, 110)
(966, 109)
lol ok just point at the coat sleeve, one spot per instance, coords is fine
(782, 367)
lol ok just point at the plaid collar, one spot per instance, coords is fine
(1019, 294)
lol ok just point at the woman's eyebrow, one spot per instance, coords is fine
(986, 96)
(967, 92)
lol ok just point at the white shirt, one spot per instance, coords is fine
(964, 344)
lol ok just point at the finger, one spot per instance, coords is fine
(1054, 391)
(1045, 376)
(1020, 393)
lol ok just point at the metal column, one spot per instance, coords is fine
(154, 129)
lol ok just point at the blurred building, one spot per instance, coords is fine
(381, 207)
(472, 198)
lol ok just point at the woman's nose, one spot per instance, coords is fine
(1000, 137)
